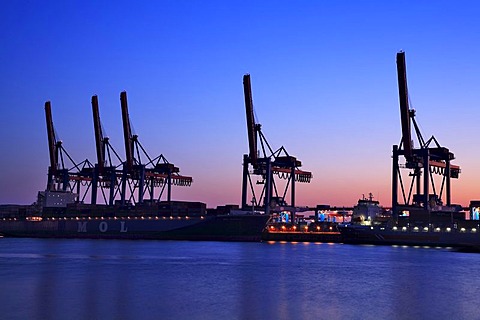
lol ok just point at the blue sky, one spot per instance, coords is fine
(323, 80)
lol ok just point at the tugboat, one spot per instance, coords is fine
(321, 227)
(301, 231)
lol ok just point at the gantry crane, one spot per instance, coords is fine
(141, 173)
(107, 175)
(76, 179)
(428, 159)
(267, 164)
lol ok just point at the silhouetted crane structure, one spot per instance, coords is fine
(131, 180)
(142, 174)
(76, 177)
(268, 164)
(428, 159)
(107, 175)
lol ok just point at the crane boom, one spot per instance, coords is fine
(98, 134)
(252, 135)
(404, 107)
(51, 137)
(127, 131)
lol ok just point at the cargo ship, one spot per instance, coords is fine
(437, 226)
(174, 220)
(455, 236)
(131, 189)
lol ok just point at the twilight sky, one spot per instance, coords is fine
(323, 79)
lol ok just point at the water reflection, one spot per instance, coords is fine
(88, 279)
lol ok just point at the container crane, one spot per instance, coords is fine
(428, 159)
(107, 175)
(141, 173)
(75, 180)
(268, 164)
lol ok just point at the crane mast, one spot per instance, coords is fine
(99, 139)
(127, 131)
(251, 129)
(404, 108)
(52, 142)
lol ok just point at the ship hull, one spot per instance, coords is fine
(329, 237)
(215, 228)
(323, 231)
(388, 236)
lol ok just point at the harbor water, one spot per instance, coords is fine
(125, 279)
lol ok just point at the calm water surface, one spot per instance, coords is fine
(110, 279)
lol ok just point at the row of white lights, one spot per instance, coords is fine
(437, 229)
(295, 228)
(103, 218)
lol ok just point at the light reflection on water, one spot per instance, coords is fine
(95, 279)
